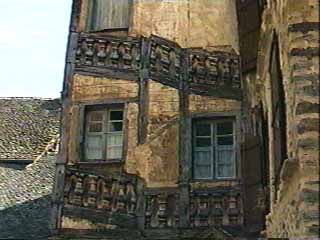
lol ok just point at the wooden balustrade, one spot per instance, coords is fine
(213, 73)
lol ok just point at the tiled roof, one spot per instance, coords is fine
(25, 198)
(26, 126)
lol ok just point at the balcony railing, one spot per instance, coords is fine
(193, 70)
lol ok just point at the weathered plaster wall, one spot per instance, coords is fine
(202, 104)
(295, 212)
(86, 88)
(156, 160)
(191, 23)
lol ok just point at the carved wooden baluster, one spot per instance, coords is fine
(148, 211)
(171, 210)
(235, 73)
(109, 51)
(114, 194)
(162, 210)
(197, 222)
(135, 57)
(195, 62)
(114, 55)
(81, 51)
(101, 53)
(78, 191)
(212, 71)
(193, 210)
(106, 197)
(131, 198)
(217, 212)
(127, 57)
(225, 72)
(172, 64)
(79, 55)
(158, 58)
(89, 51)
(85, 191)
(154, 221)
(92, 192)
(204, 210)
(121, 53)
(121, 198)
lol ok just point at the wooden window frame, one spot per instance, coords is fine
(216, 117)
(107, 105)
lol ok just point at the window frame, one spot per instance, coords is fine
(85, 108)
(217, 117)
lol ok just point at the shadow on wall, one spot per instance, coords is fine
(29, 220)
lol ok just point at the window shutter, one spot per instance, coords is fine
(249, 20)
(110, 14)
(81, 130)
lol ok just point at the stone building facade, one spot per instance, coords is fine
(174, 122)
(283, 104)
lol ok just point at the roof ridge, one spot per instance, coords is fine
(29, 98)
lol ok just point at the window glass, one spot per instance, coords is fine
(224, 128)
(94, 148)
(115, 126)
(95, 127)
(225, 140)
(203, 165)
(203, 129)
(214, 149)
(116, 115)
(104, 136)
(96, 116)
(203, 142)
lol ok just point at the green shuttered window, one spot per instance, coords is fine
(109, 14)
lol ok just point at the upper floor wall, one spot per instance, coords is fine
(190, 23)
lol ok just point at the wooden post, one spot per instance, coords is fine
(57, 196)
(184, 141)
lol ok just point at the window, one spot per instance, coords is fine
(108, 14)
(214, 151)
(103, 134)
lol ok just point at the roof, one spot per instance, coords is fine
(26, 127)
(25, 197)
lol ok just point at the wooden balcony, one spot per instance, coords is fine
(198, 71)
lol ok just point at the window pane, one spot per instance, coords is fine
(96, 116)
(225, 140)
(225, 162)
(224, 128)
(93, 147)
(116, 115)
(202, 172)
(95, 127)
(114, 140)
(202, 164)
(203, 142)
(203, 130)
(114, 152)
(115, 126)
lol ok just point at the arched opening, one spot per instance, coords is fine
(279, 118)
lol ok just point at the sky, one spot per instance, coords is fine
(33, 39)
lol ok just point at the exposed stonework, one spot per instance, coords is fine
(295, 26)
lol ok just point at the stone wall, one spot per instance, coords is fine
(294, 206)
